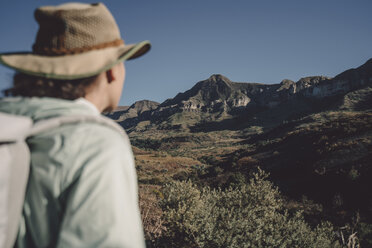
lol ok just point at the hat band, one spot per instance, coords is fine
(52, 51)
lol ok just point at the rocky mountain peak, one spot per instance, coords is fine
(215, 78)
(286, 82)
(144, 105)
(312, 79)
(214, 86)
(133, 111)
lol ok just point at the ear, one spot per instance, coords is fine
(110, 75)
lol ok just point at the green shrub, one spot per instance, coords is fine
(250, 215)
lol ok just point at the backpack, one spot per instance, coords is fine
(15, 163)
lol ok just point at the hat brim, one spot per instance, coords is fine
(75, 66)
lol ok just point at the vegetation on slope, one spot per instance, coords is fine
(318, 152)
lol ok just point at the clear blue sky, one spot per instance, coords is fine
(261, 41)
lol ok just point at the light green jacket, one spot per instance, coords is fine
(82, 190)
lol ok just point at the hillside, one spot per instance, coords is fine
(314, 136)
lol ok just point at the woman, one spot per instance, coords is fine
(82, 189)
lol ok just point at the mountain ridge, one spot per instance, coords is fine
(219, 98)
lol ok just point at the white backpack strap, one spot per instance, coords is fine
(14, 171)
(17, 127)
(54, 122)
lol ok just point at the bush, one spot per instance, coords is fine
(250, 215)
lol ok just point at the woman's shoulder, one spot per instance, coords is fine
(73, 143)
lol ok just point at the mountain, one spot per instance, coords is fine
(136, 109)
(218, 99)
(314, 136)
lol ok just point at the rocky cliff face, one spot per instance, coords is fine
(345, 82)
(218, 96)
(217, 93)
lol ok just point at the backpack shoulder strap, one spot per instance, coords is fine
(14, 127)
(14, 171)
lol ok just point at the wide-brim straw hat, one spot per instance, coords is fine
(74, 41)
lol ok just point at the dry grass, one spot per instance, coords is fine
(151, 213)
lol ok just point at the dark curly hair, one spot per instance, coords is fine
(33, 86)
